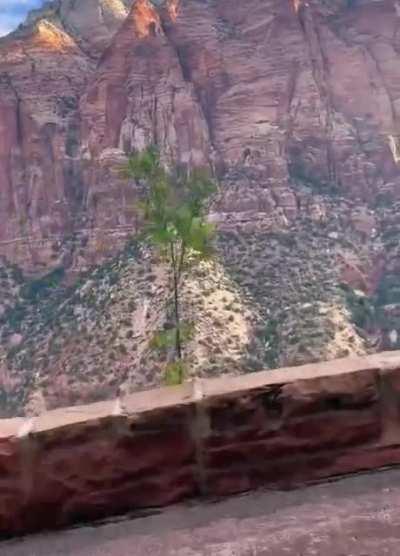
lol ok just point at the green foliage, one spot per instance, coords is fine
(165, 339)
(174, 221)
(361, 308)
(37, 289)
(175, 372)
(173, 210)
(389, 290)
(142, 166)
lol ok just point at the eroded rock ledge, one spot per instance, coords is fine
(208, 438)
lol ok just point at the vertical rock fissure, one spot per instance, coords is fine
(13, 202)
(289, 109)
(18, 100)
(385, 87)
(320, 74)
(165, 25)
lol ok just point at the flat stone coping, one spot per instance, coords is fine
(198, 389)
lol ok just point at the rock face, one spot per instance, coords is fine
(281, 99)
(295, 107)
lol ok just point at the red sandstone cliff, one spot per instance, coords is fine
(274, 95)
(295, 106)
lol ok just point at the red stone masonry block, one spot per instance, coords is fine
(392, 377)
(115, 469)
(314, 413)
(332, 393)
(255, 412)
(299, 437)
(13, 479)
(169, 487)
(390, 386)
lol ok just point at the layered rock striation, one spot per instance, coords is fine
(294, 105)
(280, 98)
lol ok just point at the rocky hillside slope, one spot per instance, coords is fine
(294, 105)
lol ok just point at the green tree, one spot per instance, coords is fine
(175, 223)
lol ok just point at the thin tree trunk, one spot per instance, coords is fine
(178, 343)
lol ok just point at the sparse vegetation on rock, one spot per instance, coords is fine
(175, 223)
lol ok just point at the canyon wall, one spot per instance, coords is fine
(288, 101)
(294, 106)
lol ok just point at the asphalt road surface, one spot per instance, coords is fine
(358, 516)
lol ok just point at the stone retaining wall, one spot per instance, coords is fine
(215, 437)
